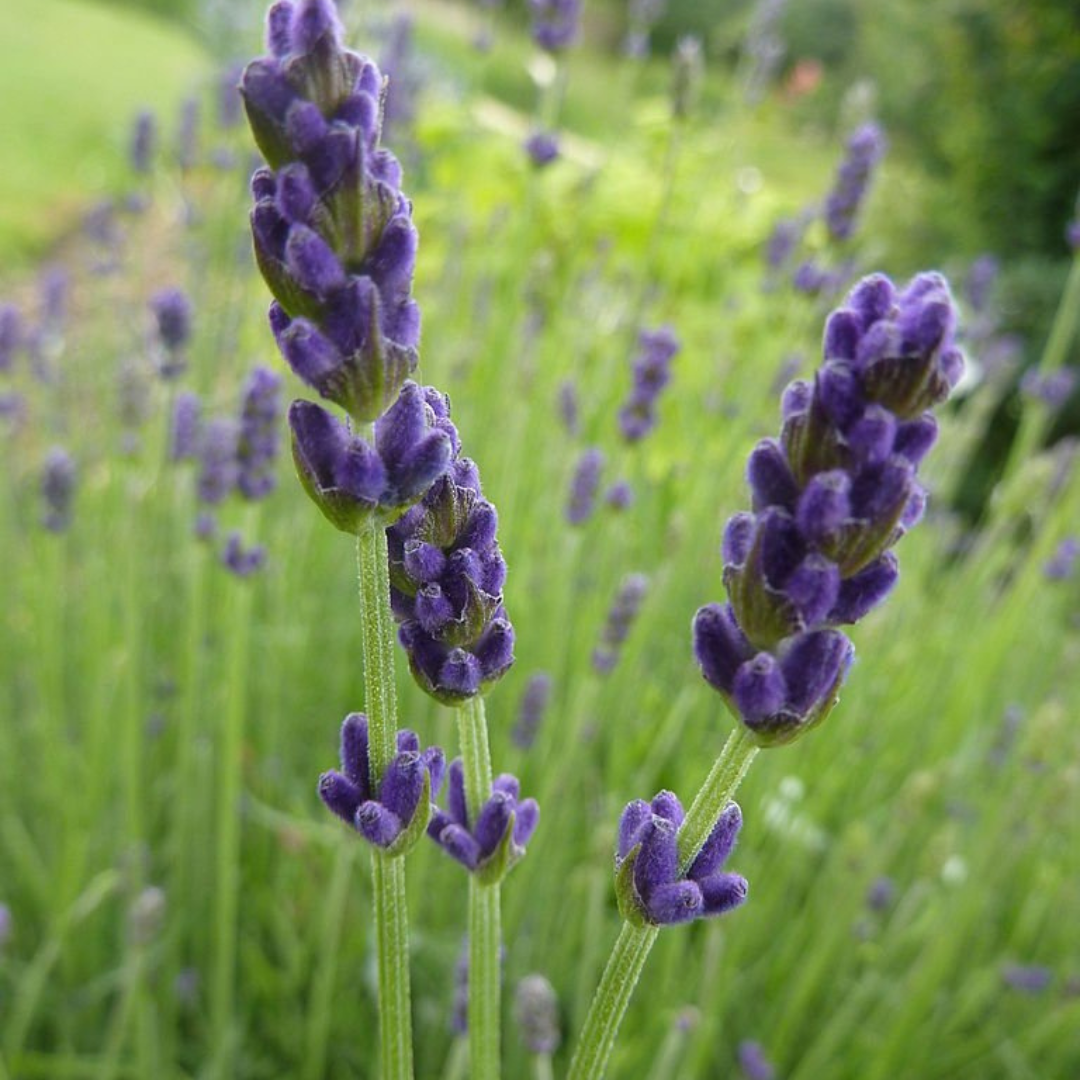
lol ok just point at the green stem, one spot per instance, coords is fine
(484, 908)
(230, 776)
(628, 958)
(388, 875)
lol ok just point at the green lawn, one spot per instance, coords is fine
(74, 75)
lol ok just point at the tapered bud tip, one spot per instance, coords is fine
(312, 21)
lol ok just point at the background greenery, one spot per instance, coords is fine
(139, 680)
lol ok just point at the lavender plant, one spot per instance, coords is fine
(335, 242)
(830, 498)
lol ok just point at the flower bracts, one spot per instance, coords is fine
(495, 841)
(446, 579)
(393, 817)
(648, 884)
(829, 498)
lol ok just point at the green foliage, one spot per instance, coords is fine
(61, 150)
(140, 683)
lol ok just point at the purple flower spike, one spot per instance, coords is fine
(257, 447)
(490, 846)
(830, 498)
(648, 882)
(865, 149)
(446, 580)
(584, 487)
(651, 373)
(332, 229)
(184, 436)
(621, 617)
(393, 817)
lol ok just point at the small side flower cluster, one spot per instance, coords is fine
(446, 577)
(865, 149)
(335, 242)
(830, 497)
(393, 817)
(649, 886)
(652, 372)
(495, 841)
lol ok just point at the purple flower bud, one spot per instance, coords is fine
(584, 487)
(257, 447)
(1027, 978)
(1061, 566)
(555, 23)
(241, 561)
(172, 311)
(864, 150)
(217, 461)
(624, 610)
(753, 1062)
(620, 496)
(492, 844)
(542, 148)
(650, 887)
(11, 335)
(652, 372)
(534, 703)
(568, 406)
(392, 817)
(58, 489)
(143, 138)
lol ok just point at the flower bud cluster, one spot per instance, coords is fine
(335, 241)
(495, 841)
(394, 816)
(446, 579)
(333, 232)
(649, 886)
(829, 498)
(58, 489)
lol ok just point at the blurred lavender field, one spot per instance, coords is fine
(629, 242)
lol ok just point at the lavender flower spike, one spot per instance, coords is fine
(491, 845)
(864, 150)
(333, 232)
(584, 486)
(58, 489)
(830, 497)
(394, 817)
(257, 446)
(652, 372)
(446, 580)
(648, 884)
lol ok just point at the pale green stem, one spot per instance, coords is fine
(484, 932)
(388, 875)
(628, 958)
(229, 781)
